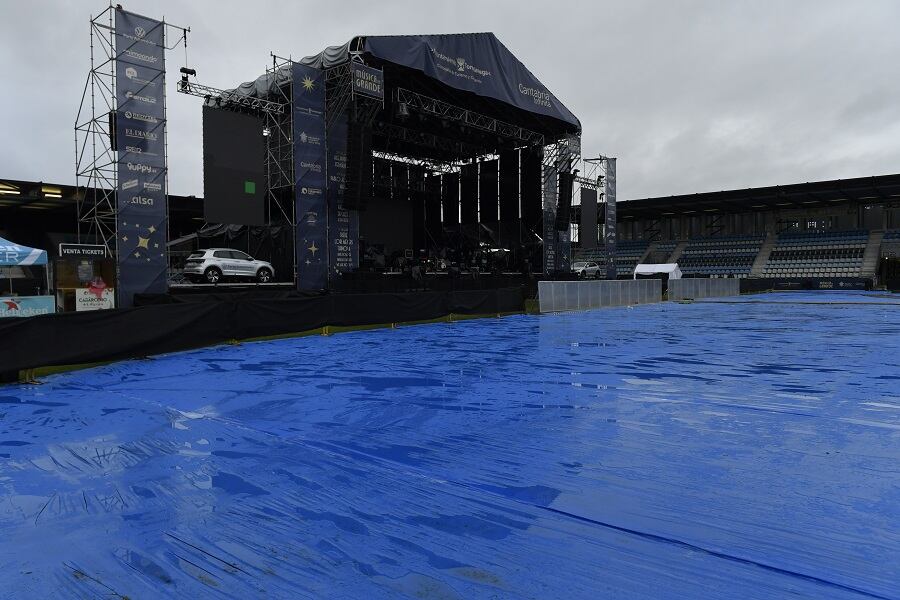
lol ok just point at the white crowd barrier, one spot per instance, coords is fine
(684, 289)
(556, 296)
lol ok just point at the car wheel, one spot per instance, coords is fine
(580, 274)
(212, 275)
(264, 275)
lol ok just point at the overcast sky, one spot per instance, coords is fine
(690, 96)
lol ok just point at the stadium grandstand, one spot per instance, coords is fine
(839, 229)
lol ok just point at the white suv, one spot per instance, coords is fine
(586, 269)
(212, 264)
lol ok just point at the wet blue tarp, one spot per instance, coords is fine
(711, 450)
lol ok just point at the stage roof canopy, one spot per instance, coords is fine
(474, 63)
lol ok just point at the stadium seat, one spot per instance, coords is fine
(817, 254)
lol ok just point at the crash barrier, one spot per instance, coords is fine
(693, 289)
(556, 296)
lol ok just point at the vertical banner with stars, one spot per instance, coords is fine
(141, 144)
(309, 172)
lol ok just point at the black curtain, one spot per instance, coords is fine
(509, 185)
(469, 193)
(450, 198)
(532, 209)
(433, 226)
(487, 193)
(417, 198)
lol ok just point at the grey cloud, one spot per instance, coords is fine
(690, 95)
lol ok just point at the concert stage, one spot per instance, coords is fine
(388, 153)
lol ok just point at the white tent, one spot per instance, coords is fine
(670, 269)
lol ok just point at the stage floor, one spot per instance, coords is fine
(740, 448)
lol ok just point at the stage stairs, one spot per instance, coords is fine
(676, 253)
(871, 254)
(650, 250)
(763, 257)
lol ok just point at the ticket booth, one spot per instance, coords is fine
(85, 278)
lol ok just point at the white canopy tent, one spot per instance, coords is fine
(669, 269)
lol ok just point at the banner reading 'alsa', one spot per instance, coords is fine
(309, 171)
(141, 143)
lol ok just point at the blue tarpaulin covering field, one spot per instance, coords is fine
(745, 448)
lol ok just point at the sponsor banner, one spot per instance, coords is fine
(609, 225)
(551, 174)
(817, 283)
(95, 298)
(367, 81)
(26, 306)
(141, 136)
(82, 251)
(476, 62)
(310, 185)
(343, 224)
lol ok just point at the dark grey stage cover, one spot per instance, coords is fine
(234, 181)
(587, 229)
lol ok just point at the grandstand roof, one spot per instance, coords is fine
(862, 190)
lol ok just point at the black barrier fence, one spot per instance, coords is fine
(179, 324)
(372, 283)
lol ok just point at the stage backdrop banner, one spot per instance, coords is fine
(141, 142)
(343, 224)
(309, 171)
(609, 225)
(475, 62)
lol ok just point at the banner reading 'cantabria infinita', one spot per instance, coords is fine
(309, 171)
(141, 143)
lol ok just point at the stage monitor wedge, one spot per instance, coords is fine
(234, 179)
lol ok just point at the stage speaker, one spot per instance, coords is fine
(358, 188)
(564, 205)
(113, 127)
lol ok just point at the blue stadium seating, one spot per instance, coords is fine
(817, 254)
(726, 256)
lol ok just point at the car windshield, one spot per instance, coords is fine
(196, 255)
(579, 265)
